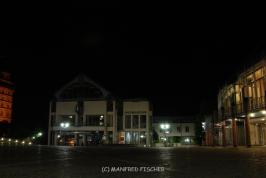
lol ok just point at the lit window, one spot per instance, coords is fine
(258, 74)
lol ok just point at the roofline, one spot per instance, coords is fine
(76, 79)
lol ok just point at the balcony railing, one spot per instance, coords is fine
(256, 103)
(250, 105)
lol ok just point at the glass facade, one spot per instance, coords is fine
(135, 137)
(143, 121)
(135, 122)
(94, 120)
(128, 121)
(65, 118)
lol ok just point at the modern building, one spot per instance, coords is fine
(174, 129)
(82, 113)
(241, 109)
(6, 97)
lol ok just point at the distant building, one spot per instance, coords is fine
(174, 129)
(210, 131)
(6, 98)
(82, 113)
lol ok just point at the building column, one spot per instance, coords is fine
(49, 125)
(84, 120)
(84, 139)
(148, 142)
(206, 138)
(234, 130)
(54, 138)
(76, 120)
(114, 123)
(76, 139)
(247, 131)
(105, 131)
(223, 134)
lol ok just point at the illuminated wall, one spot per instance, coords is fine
(6, 97)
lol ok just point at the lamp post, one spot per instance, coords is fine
(63, 125)
(165, 128)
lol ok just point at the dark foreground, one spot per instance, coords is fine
(117, 161)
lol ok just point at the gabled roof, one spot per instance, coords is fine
(82, 88)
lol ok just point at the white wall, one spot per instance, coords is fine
(65, 108)
(95, 107)
(138, 106)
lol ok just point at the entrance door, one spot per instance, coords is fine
(262, 134)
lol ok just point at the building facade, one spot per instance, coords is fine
(241, 109)
(174, 130)
(82, 113)
(6, 97)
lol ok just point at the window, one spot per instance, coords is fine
(128, 121)
(258, 74)
(187, 129)
(250, 78)
(95, 120)
(238, 98)
(135, 121)
(178, 129)
(142, 121)
(249, 92)
(66, 118)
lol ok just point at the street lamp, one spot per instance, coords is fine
(39, 134)
(63, 125)
(165, 128)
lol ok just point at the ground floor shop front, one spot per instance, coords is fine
(237, 132)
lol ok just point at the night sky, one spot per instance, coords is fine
(178, 61)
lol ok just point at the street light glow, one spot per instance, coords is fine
(39, 134)
(165, 126)
(187, 140)
(65, 124)
(252, 114)
(263, 112)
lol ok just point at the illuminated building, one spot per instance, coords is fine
(6, 98)
(241, 109)
(82, 113)
(172, 130)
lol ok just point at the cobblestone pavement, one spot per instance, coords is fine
(126, 161)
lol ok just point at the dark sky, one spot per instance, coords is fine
(177, 60)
